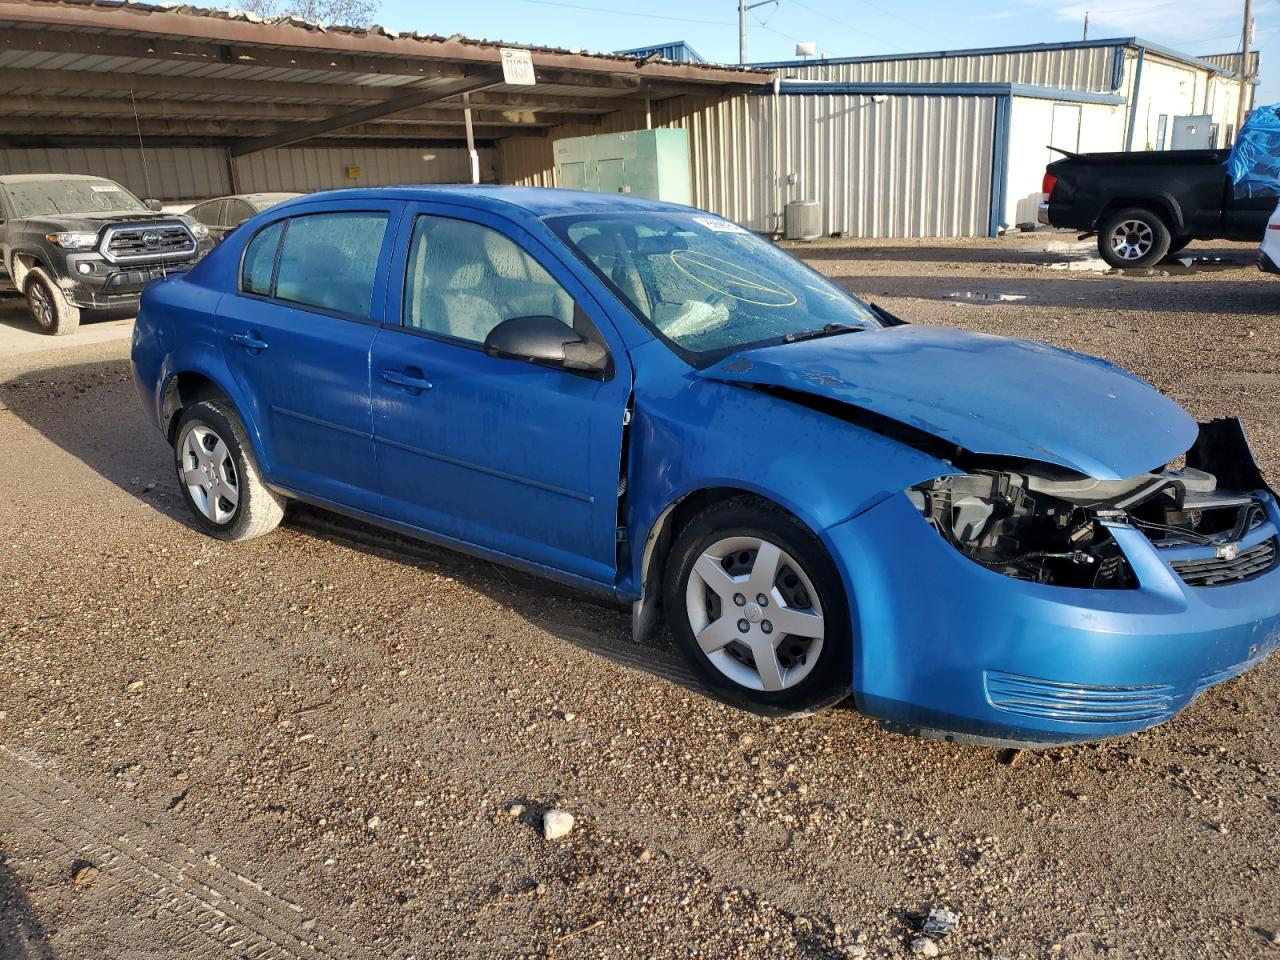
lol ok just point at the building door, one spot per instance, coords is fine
(1065, 130)
(1193, 132)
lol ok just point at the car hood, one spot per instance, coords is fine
(89, 221)
(989, 395)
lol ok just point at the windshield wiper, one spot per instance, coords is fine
(828, 330)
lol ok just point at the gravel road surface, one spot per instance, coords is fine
(333, 743)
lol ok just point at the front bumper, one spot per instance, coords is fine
(944, 646)
(91, 282)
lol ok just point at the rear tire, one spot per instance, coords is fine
(219, 476)
(1178, 244)
(1134, 237)
(48, 304)
(726, 560)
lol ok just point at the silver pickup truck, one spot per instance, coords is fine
(71, 243)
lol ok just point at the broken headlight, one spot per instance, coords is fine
(1009, 522)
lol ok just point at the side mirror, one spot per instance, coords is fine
(155, 206)
(548, 342)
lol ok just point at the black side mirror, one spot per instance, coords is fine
(155, 206)
(548, 342)
(885, 317)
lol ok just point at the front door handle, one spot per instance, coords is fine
(410, 379)
(249, 341)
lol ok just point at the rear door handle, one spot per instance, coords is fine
(411, 380)
(249, 341)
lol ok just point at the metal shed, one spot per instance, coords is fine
(224, 103)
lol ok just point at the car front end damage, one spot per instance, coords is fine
(1019, 603)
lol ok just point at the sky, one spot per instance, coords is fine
(849, 27)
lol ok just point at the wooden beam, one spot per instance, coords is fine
(234, 130)
(360, 115)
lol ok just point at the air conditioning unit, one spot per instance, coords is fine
(803, 220)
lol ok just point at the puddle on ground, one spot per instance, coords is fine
(1171, 267)
(969, 296)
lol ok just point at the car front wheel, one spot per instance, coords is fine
(758, 610)
(49, 306)
(219, 477)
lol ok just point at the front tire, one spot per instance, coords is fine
(758, 610)
(1133, 238)
(49, 306)
(219, 476)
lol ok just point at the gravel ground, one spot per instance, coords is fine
(331, 743)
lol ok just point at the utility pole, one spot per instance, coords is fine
(1086, 26)
(1245, 31)
(743, 7)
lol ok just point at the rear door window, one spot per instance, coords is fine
(328, 261)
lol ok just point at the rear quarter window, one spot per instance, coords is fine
(260, 260)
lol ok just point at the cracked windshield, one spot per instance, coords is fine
(708, 285)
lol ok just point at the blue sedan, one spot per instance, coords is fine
(976, 537)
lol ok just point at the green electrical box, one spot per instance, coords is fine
(643, 163)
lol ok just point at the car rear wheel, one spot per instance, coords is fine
(48, 305)
(758, 610)
(1133, 238)
(219, 477)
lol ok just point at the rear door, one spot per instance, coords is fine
(519, 459)
(297, 338)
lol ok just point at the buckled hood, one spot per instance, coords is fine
(989, 395)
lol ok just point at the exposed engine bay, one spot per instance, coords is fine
(1048, 525)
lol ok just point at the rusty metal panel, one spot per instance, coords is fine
(171, 174)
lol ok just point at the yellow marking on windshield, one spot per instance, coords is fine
(735, 275)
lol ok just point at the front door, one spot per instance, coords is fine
(297, 337)
(515, 458)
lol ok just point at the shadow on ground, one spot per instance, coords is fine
(22, 935)
(91, 411)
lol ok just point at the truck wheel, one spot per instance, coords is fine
(1133, 237)
(48, 305)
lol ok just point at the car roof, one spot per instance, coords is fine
(36, 177)
(538, 201)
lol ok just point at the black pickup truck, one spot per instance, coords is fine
(71, 243)
(1144, 206)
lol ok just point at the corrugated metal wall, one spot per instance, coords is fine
(1074, 68)
(305, 169)
(901, 167)
(174, 173)
(1231, 61)
(181, 174)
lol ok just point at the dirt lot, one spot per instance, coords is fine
(311, 745)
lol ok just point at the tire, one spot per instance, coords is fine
(722, 545)
(1133, 237)
(48, 304)
(1178, 244)
(223, 487)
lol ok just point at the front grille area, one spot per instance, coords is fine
(126, 244)
(1079, 703)
(1216, 571)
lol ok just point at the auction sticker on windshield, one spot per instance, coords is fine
(719, 226)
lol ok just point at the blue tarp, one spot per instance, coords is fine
(1254, 164)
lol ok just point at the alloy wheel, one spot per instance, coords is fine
(209, 474)
(755, 613)
(1132, 239)
(41, 305)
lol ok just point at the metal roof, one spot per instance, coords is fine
(97, 69)
(1134, 42)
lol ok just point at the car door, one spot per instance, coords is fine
(297, 336)
(518, 459)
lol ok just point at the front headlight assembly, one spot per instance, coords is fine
(199, 231)
(73, 239)
(1012, 523)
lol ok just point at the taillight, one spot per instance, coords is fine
(1046, 186)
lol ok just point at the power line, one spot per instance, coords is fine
(842, 23)
(909, 23)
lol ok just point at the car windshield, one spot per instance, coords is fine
(43, 198)
(708, 286)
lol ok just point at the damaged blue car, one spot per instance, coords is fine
(975, 537)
